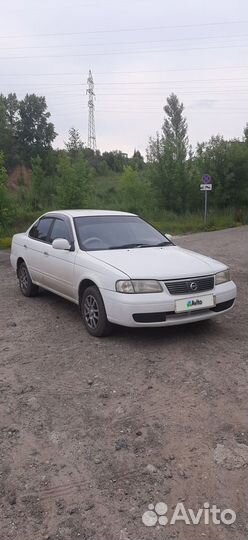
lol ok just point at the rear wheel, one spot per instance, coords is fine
(94, 313)
(25, 282)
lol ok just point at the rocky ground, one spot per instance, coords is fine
(93, 431)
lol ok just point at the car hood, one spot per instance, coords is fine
(160, 263)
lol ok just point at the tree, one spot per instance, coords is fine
(35, 133)
(8, 119)
(246, 133)
(38, 191)
(175, 129)
(5, 202)
(74, 183)
(227, 163)
(25, 129)
(12, 110)
(4, 128)
(134, 192)
(74, 143)
(116, 160)
(137, 161)
(167, 155)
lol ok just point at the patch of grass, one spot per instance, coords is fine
(5, 242)
(189, 223)
(166, 222)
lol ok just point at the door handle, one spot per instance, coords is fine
(45, 253)
(25, 246)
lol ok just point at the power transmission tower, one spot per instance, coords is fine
(91, 119)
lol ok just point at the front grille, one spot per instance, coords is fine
(191, 285)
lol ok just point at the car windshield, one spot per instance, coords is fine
(97, 233)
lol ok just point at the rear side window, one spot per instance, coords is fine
(41, 229)
(59, 230)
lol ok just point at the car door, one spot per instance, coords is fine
(35, 247)
(59, 264)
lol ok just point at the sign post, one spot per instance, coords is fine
(206, 186)
(206, 207)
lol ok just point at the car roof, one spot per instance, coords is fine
(82, 213)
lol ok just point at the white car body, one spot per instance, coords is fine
(63, 272)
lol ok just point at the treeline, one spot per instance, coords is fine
(166, 181)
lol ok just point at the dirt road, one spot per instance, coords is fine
(94, 431)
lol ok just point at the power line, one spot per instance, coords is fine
(202, 68)
(146, 51)
(147, 104)
(156, 97)
(162, 94)
(228, 37)
(193, 91)
(136, 29)
(184, 91)
(133, 112)
(167, 82)
(225, 113)
(217, 99)
(215, 106)
(161, 103)
(55, 74)
(152, 111)
(160, 109)
(234, 92)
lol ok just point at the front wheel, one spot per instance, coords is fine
(94, 313)
(25, 282)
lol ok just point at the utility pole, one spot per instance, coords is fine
(91, 118)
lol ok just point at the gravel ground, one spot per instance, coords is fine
(95, 430)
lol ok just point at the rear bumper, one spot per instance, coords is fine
(153, 310)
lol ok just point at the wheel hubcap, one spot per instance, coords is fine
(91, 311)
(23, 277)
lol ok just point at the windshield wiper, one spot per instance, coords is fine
(130, 246)
(164, 243)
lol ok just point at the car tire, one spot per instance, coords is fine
(27, 287)
(93, 313)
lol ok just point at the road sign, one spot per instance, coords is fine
(206, 179)
(206, 187)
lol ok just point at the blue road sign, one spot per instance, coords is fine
(207, 179)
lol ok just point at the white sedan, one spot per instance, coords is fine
(119, 269)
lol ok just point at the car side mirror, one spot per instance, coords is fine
(61, 243)
(169, 236)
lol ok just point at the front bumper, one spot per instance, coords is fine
(128, 309)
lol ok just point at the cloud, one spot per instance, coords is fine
(204, 104)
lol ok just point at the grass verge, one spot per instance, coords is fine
(5, 242)
(166, 222)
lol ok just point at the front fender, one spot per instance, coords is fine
(100, 273)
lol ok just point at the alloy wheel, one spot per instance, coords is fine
(91, 311)
(23, 278)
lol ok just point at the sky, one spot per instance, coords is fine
(139, 51)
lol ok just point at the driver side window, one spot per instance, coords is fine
(40, 230)
(59, 230)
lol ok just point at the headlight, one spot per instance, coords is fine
(222, 277)
(124, 286)
(138, 286)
